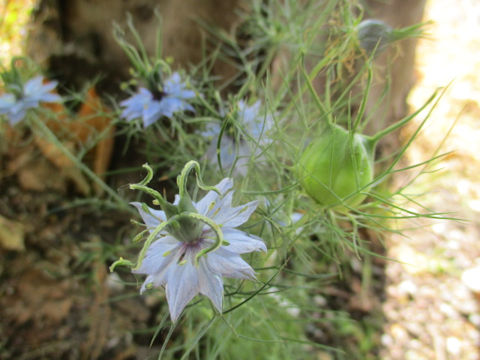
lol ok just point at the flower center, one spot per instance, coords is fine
(192, 247)
(158, 95)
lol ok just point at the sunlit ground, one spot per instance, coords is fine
(432, 308)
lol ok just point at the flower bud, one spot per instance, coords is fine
(374, 34)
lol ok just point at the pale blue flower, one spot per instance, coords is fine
(227, 146)
(256, 127)
(171, 263)
(34, 92)
(143, 104)
(175, 96)
(256, 124)
(230, 154)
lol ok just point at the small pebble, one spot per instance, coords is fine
(471, 279)
(454, 345)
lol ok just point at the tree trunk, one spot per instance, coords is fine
(74, 38)
(395, 65)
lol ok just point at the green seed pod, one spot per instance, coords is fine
(335, 167)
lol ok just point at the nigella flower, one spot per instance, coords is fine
(142, 105)
(230, 152)
(173, 260)
(256, 126)
(175, 96)
(145, 106)
(28, 96)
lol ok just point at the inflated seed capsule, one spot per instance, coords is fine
(336, 169)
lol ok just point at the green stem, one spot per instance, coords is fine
(219, 144)
(375, 138)
(120, 262)
(182, 179)
(413, 31)
(149, 175)
(142, 186)
(153, 193)
(54, 140)
(153, 235)
(363, 103)
(313, 92)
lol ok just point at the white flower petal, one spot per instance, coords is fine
(233, 217)
(229, 264)
(137, 106)
(17, 116)
(221, 204)
(231, 154)
(210, 284)
(241, 242)
(175, 96)
(25, 104)
(49, 86)
(51, 98)
(171, 105)
(151, 112)
(152, 218)
(228, 152)
(33, 86)
(186, 94)
(256, 124)
(6, 102)
(209, 200)
(148, 280)
(173, 80)
(159, 255)
(168, 106)
(220, 210)
(156, 280)
(182, 286)
(132, 102)
(176, 200)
